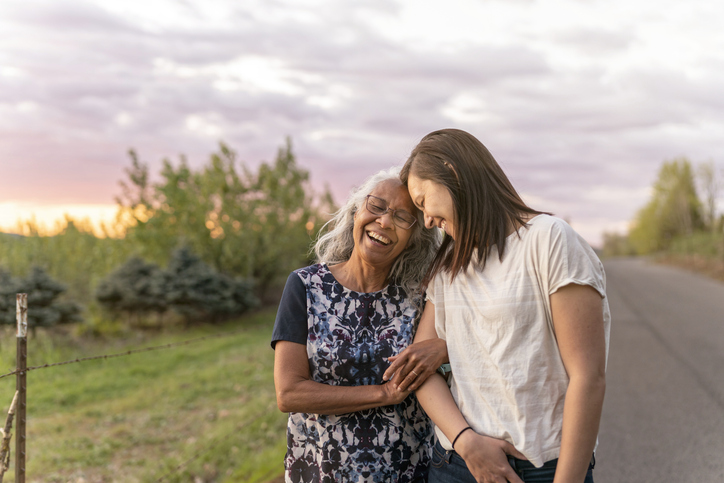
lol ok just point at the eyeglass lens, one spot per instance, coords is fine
(378, 206)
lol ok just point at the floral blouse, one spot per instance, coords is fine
(349, 336)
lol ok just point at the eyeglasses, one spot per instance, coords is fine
(401, 218)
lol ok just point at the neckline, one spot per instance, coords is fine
(517, 231)
(378, 292)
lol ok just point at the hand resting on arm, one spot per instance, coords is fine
(416, 363)
(296, 392)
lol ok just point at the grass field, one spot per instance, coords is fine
(137, 418)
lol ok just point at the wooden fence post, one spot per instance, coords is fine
(21, 385)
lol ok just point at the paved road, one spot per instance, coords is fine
(663, 417)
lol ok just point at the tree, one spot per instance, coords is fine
(189, 286)
(282, 219)
(167, 213)
(616, 245)
(44, 307)
(252, 225)
(674, 209)
(710, 183)
(196, 291)
(8, 290)
(74, 255)
(135, 288)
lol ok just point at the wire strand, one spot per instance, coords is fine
(126, 353)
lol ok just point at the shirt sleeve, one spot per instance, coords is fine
(572, 260)
(436, 296)
(291, 321)
(430, 292)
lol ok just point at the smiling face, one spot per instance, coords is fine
(378, 241)
(435, 202)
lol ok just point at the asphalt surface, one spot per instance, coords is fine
(663, 416)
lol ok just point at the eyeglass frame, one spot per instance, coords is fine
(390, 210)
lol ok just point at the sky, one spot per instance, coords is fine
(579, 101)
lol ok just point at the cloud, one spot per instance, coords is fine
(597, 42)
(84, 17)
(580, 110)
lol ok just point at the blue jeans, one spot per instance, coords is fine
(449, 467)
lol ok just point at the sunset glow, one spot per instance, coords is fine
(50, 219)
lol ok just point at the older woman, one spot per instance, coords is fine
(338, 322)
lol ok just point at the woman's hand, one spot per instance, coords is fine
(487, 458)
(416, 363)
(420, 360)
(393, 395)
(297, 392)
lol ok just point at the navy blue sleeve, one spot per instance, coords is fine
(291, 321)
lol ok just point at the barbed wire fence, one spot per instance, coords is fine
(18, 407)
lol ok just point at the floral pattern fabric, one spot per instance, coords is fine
(350, 335)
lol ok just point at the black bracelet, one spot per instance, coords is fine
(456, 437)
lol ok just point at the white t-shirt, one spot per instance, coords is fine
(508, 378)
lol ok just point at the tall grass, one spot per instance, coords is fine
(137, 418)
(704, 244)
(74, 256)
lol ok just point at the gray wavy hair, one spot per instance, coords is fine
(336, 244)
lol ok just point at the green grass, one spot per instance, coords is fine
(137, 418)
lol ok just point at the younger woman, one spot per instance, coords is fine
(520, 300)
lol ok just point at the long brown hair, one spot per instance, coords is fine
(484, 201)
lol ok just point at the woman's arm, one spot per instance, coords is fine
(485, 457)
(578, 321)
(296, 392)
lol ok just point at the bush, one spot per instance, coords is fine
(617, 245)
(705, 244)
(135, 288)
(189, 287)
(44, 307)
(8, 289)
(196, 291)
